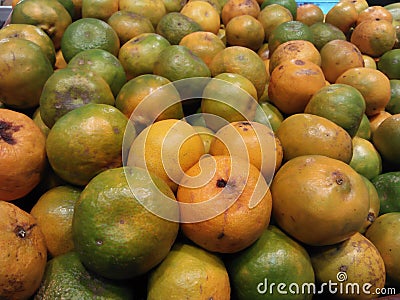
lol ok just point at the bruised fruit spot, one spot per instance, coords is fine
(371, 217)
(343, 268)
(6, 132)
(299, 62)
(221, 235)
(20, 232)
(338, 178)
(221, 183)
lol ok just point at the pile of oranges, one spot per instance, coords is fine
(201, 149)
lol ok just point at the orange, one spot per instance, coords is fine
(271, 16)
(338, 56)
(153, 10)
(114, 234)
(377, 119)
(66, 275)
(70, 88)
(243, 61)
(340, 103)
(324, 32)
(203, 44)
(360, 5)
(32, 33)
(369, 62)
(382, 233)
(23, 253)
(204, 14)
(306, 134)
(324, 194)
(245, 31)
(364, 131)
(229, 97)
(291, 5)
(389, 64)
(358, 260)
(288, 31)
(226, 210)
(69, 6)
(77, 150)
(128, 25)
(386, 139)
(372, 84)
(89, 33)
(177, 62)
(252, 141)
(39, 122)
(292, 84)
(54, 211)
(23, 154)
(387, 187)
(26, 69)
(103, 63)
(204, 275)
(99, 9)
(233, 8)
(167, 148)
(374, 13)
(155, 103)
(296, 49)
(139, 54)
(374, 205)
(51, 16)
(366, 160)
(343, 15)
(393, 106)
(60, 61)
(217, 4)
(206, 134)
(174, 26)
(269, 115)
(309, 14)
(374, 37)
(274, 258)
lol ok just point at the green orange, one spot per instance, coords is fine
(70, 88)
(175, 25)
(26, 69)
(389, 63)
(78, 150)
(114, 234)
(32, 33)
(274, 258)
(386, 139)
(393, 106)
(291, 5)
(340, 103)
(366, 160)
(128, 24)
(66, 277)
(88, 33)
(387, 186)
(288, 31)
(103, 63)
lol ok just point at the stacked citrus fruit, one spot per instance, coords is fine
(201, 149)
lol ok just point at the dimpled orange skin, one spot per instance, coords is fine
(292, 84)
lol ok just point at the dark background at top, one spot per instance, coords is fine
(381, 3)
